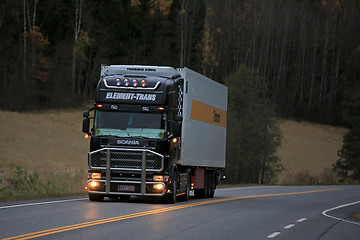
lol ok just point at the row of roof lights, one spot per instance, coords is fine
(134, 82)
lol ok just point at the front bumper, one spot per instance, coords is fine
(126, 160)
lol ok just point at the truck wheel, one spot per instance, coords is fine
(171, 198)
(96, 197)
(185, 197)
(211, 185)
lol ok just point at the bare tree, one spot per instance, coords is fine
(183, 22)
(2, 11)
(24, 41)
(77, 29)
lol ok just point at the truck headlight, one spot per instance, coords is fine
(93, 184)
(159, 186)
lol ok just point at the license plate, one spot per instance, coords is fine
(126, 188)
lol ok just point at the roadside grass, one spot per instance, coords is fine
(307, 149)
(304, 177)
(19, 184)
(356, 215)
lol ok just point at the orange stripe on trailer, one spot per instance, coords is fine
(209, 114)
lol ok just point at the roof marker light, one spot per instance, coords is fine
(99, 105)
(126, 82)
(161, 108)
(143, 83)
(118, 82)
(135, 82)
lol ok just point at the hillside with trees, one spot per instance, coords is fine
(300, 58)
(306, 52)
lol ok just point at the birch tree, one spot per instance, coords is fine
(77, 30)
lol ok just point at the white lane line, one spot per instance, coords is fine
(301, 220)
(340, 219)
(289, 226)
(273, 234)
(42, 203)
(286, 227)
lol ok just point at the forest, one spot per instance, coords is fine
(296, 59)
(306, 51)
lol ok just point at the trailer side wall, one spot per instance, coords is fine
(204, 121)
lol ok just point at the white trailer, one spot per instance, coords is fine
(204, 121)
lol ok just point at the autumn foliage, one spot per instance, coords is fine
(40, 63)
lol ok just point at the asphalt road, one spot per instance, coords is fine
(265, 212)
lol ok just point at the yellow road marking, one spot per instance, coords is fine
(146, 213)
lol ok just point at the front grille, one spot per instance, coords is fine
(126, 159)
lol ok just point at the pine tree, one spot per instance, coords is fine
(253, 132)
(348, 165)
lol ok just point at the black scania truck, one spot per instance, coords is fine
(155, 131)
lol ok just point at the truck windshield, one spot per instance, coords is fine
(125, 124)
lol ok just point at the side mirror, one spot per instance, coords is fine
(86, 125)
(176, 129)
(86, 114)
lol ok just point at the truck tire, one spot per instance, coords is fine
(185, 197)
(207, 186)
(94, 197)
(211, 185)
(171, 198)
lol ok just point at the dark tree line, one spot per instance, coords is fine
(295, 58)
(253, 133)
(302, 50)
(307, 52)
